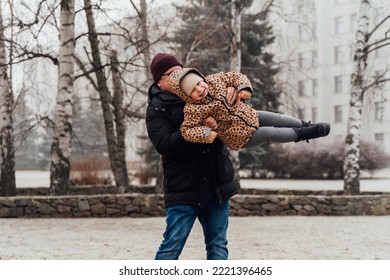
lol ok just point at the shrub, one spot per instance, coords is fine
(302, 161)
(253, 160)
(90, 170)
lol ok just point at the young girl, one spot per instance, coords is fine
(238, 125)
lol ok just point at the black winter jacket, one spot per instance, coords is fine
(190, 169)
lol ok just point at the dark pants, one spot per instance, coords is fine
(180, 219)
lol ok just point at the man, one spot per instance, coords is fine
(198, 178)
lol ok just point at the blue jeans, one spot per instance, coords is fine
(180, 219)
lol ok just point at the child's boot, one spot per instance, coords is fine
(312, 131)
(305, 123)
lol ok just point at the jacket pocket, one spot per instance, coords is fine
(225, 171)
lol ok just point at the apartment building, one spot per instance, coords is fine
(315, 43)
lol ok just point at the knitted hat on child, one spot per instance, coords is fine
(161, 63)
(189, 81)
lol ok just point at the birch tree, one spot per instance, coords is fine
(236, 56)
(365, 44)
(61, 146)
(235, 50)
(144, 49)
(26, 50)
(235, 65)
(7, 153)
(144, 42)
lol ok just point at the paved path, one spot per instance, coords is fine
(272, 238)
(278, 238)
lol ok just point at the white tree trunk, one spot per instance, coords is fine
(352, 142)
(145, 44)
(61, 146)
(7, 153)
(235, 65)
(235, 62)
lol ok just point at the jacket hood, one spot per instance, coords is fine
(176, 77)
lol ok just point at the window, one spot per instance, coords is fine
(338, 84)
(304, 33)
(380, 52)
(314, 59)
(380, 138)
(300, 6)
(339, 25)
(301, 60)
(379, 110)
(379, 15)
(378, 76)
(314, 114)
(340, 2)
(338, 113)
(314, 31)
(314, 85)
(303, 6)
(353, 22)
(301, 88)
(339, 138)
(338, 54)
(301, 113)
(343, 53)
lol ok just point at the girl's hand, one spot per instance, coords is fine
(232, 94)
(211, 137)
(210, 122)
(244, 94)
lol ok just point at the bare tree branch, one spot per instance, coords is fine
(376, 27)
(200, 39)
(378, 79)
(138, 113)
(378, 44)
(85, 72)
(28, 55)
(135, 8)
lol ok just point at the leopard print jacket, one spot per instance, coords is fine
(236, 123)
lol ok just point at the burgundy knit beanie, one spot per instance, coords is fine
(161, 63)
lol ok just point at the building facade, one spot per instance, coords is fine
(315, 44)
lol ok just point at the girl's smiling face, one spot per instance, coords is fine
(200, 91)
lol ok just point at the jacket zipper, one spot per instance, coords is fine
(230, 112)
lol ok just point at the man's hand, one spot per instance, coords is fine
(210, 139)
(210, 122)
